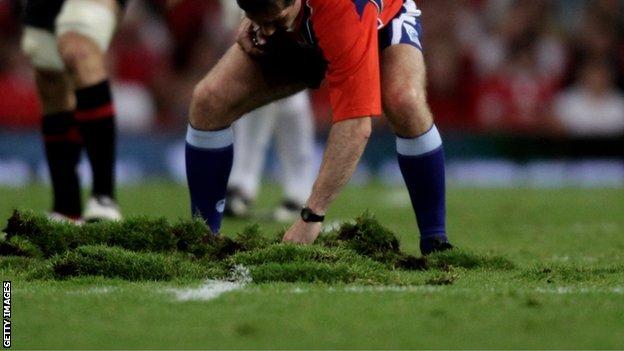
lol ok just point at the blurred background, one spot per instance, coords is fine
(527, 92)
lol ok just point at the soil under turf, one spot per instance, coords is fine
(536, 269)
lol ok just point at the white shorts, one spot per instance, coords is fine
(87, 17)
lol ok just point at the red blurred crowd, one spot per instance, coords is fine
(511, 66)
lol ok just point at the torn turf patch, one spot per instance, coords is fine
(362, 251)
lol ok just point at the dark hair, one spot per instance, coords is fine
(263, 6)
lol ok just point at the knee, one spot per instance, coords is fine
(76, 50)
(406, 102)
(209, 107)
(408, 111)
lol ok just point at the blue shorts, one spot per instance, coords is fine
(404, 28)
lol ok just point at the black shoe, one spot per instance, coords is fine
(432, 245)
(236, 204)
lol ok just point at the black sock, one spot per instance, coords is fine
(95, 115)
(62, 149)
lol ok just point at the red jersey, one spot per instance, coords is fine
(346, 33)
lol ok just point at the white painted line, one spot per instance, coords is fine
(209, 291)
(212, 289)
(98, 290)
(425, 289)
(569, 290)
(299, 291)
(392, 288)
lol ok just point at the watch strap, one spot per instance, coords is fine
(308, 216)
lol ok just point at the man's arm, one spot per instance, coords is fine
(348, 40)
(347, 140)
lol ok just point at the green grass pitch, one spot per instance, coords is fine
(566, 290)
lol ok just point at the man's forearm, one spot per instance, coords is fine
(347, 140)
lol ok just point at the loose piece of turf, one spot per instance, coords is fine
(19, 246)
(368, 237)
(152, 249)
(137, 234)
(17, 263)
(304, 272)
(251, 238)
(192, 236)
(289, 253)
(51, 237)
(114, 262)
(298, 263)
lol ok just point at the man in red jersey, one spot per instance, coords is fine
(370, 54)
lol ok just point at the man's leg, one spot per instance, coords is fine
(84, 30)
(62, 141)
(235, 86)
(60, 133)
(419, 145)
(252, 137)
(295, 146)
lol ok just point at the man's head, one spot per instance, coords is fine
(271, 15)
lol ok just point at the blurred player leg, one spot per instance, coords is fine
(84, 29)
(234, 87)
(62, 142)
(295, 146)
(419, 145)
(60, 133)
(252, 136)
(239, 169)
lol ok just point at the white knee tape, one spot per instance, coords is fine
(40, 46)
(89, 18)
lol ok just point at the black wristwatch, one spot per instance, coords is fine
(310, 217)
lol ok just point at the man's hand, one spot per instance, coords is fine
(250, 38)
(302, 232)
